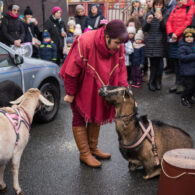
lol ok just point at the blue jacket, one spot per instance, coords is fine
(48, 51)
(186, 54)
(138, 55)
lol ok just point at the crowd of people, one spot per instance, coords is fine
(54, 42)
(162, 31)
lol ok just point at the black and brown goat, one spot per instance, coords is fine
(166, 137)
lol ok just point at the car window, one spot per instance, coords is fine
(5, 59)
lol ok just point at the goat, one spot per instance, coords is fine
(146, 153)
(9, 91)
(12, 143)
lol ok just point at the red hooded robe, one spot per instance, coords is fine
(95, 66)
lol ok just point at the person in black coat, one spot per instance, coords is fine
(12, 29)
(31, 29)
(94, 17)
(155, 40)
(80, 17)
(186, 54)
(57, 30)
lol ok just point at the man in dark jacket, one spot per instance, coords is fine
(95, 16)
(12, 29)
(80, 17)
(57, 30)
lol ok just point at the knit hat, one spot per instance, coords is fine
(117, 29)
(71, 22)
(69, 40)
(131, 29)
(92, 5)
(189, 32)
(28, 11)
(13, 6)
(77, 30)
(139, 35)
(55, 9)
(79, 7)
(46, 34)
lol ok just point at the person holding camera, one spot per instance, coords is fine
(155, 39)
(31, 29)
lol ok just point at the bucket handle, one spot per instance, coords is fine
(177, 176)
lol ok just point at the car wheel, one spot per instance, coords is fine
(51, 92)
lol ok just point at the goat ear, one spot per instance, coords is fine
(45, 101)
(17, 101)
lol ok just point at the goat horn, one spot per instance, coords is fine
(17, 101)
(45, 101)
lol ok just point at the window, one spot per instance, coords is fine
(5, 59)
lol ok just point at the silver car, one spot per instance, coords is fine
(32, 73)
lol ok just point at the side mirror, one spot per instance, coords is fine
(18, 59)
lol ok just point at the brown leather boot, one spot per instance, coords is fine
(80, 136)
(93, 134)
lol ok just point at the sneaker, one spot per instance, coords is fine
(185, 102)
(137, 85)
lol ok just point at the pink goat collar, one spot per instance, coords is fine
(149, 133)
(16, 120)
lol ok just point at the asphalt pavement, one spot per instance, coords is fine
(50, 163)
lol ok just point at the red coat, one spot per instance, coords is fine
(179, 19)
(94, 65)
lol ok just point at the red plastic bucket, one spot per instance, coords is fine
(178, 173)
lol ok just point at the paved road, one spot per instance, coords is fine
(50, 163)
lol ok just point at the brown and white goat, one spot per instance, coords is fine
(145, 153)
(11, 144)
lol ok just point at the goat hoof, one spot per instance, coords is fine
(3, 189)
(132, 167)
(19, 193)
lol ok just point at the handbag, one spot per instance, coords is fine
(35, 41)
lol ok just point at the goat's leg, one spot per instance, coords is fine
(15, 168)
(2, 183)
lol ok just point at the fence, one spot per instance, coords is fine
(119, 10)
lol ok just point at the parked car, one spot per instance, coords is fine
(32, 73)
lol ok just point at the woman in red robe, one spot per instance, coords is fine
(95, 59)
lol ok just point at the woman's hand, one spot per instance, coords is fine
(17, 43)
(149, 19)
(159, 16)
(35, 22)
(68, 98)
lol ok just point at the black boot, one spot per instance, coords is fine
(151, 84)
(158, 82)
